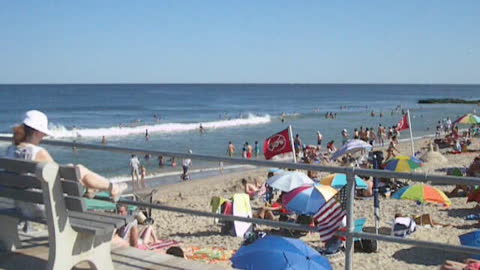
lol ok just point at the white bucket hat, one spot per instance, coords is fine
(38, 121)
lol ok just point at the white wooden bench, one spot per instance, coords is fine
(75, 235)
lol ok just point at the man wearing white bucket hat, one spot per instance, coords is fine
(28, 135)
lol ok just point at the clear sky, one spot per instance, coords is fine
(182, 41)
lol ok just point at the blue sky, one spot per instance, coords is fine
(240, 41)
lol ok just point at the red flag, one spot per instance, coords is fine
(403, 124)
(277, 144)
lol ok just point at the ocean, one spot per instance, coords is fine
(240, 113)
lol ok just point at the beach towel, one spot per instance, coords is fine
(162, 245)
(211, 255)
(241, 208)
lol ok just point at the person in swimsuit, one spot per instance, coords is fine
(392, 148)
(129, 235)
(249, 150)
(257, 149)
(231, 149)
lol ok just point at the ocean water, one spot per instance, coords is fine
(238, 113)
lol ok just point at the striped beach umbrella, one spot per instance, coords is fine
(468, 119)
(307, 200)
(338, 180)
(402, 164)
(422, 193)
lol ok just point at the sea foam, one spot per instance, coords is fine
(60, 131)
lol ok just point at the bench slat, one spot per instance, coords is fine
(77, 223)
(33, 196)
(19, 181)
(116, 220)
(69, 173)
(18, 166)
(70, 187)
(99, 228)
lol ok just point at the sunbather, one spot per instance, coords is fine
(272, 212)
(129, 235)
(470, 264)
(27, 137)
(253, 190)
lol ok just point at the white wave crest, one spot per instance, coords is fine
(60, 131)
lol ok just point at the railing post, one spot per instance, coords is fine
(350, 223)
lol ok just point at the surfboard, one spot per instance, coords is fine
(241, 208)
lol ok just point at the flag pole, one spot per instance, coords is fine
(411, 135)
(290, 133)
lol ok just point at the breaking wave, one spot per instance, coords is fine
(60, 131)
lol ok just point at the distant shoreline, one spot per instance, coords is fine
(447, 101)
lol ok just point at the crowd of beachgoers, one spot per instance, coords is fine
(184, 234)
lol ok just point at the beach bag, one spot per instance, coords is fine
(402, 230)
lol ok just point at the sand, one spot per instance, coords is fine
(199, 231)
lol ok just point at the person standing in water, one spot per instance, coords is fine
(135, 169)
(257, 149)
(231, 149)
(186, 164)
(201, 129)
(249, 150)
(147, 135)
(319, 138)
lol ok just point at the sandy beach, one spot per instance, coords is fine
(199, 231)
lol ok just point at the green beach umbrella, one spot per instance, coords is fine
(468, 119)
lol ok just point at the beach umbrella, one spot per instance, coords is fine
(402, 164)
(351, 147)
(289, 180)
(338, 180)
(422, 193)
(279, 253)
(307, 200)
(468, 119)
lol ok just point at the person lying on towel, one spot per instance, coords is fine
(129, 235)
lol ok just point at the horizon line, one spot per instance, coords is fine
(238, 83)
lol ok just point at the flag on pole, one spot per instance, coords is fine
(329, 217)
(278, 143)
(404, 123)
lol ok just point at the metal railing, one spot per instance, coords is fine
(350, 173)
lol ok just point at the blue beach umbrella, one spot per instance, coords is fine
(279, 253)
(338, 180)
